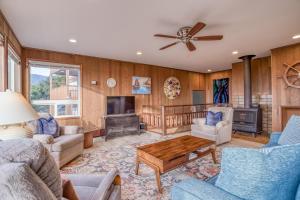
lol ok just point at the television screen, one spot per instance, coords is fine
(120, 105)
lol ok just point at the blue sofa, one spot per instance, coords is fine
(195, 189)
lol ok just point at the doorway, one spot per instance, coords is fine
(198, 97)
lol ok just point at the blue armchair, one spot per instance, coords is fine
(194, 189)
(273, 139)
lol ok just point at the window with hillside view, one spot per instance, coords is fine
(55, 88)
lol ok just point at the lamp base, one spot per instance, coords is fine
(14, 132)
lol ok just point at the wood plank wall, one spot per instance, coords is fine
(98, 69)
(261, 77)
(9, 39)
(283, 96)
(209, 83)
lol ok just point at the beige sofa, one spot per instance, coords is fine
(220, 133)
(27, 171)
(64, 148)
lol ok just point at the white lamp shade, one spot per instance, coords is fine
(15, 109)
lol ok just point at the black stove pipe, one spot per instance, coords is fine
(247, 80)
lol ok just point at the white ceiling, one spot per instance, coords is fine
(116, 29)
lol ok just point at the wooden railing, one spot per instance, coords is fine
(178, 118)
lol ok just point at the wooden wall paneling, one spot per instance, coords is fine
(10, 39)
(283, 96)
(237, 79)
(99, 69)
(260, 74)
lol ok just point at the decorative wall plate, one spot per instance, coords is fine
(111, 83)
(172, 87)
(291, 75)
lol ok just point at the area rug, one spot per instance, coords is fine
(120, 153)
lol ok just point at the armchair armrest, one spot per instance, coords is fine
(200, 190)
(222, 124)
(68, 130)
(273, 139)
(43, 138)
(199, 121)
(104, 186)
(111, 180)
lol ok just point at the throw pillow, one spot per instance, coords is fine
(291, 132)
(48, 126)
(18, 181)
(265, 174)
(213, 118)
(68, 190)
(36, 155)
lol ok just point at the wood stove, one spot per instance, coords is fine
(249, 118)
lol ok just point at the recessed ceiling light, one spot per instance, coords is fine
(209, 70)
(296, 36)
(139, 53)
(235, 52)
(72, 40)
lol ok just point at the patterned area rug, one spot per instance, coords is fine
(120, 153)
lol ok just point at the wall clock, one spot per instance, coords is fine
(291, 75)
(111, 82)
(172, 87)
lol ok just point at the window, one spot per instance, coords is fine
(14, 71)
(55, 88)
(1, 62)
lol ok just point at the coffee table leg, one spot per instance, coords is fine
(213, 154)
(137, 166)
(157, 174)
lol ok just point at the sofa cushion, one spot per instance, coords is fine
(267, 173)
(36, 155)
(291, 132)
(298, 193)
(213, 118)
(64, 142)
(194, 189)
(18, 181)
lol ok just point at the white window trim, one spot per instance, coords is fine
(17, 60)
(56, 102)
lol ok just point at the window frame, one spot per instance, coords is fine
(2, 65)
(17, 59)
(57, 64)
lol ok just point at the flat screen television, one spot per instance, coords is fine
(117, 105)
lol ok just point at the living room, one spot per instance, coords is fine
(155, 100)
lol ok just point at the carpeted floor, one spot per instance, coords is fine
(120, 153)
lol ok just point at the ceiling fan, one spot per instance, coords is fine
(186, 35)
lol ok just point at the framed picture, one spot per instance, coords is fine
(221, 90)
(141, 85)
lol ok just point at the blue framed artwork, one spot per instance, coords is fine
(221, 90)
(141, 85)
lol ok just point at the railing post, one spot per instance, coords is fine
(163, 120)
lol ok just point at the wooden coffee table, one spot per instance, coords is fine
(171, 154)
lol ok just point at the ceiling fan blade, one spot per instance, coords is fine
(190, 46)
(196, 29)
(165, 36)
(210, 37)
(168, 45)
